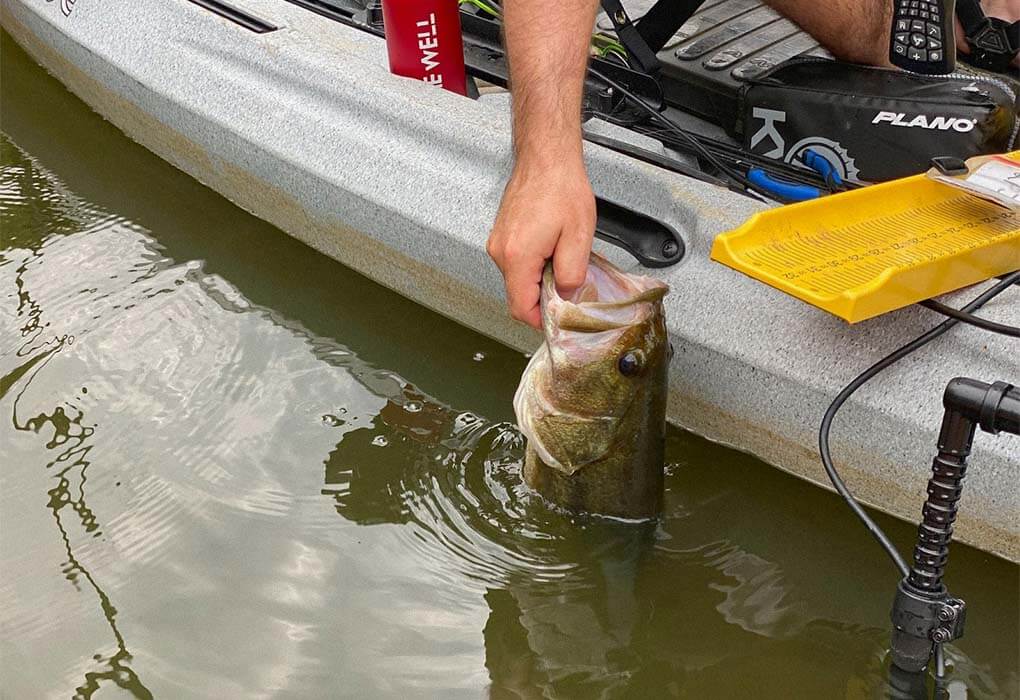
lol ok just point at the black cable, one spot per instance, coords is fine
(652, 157)
(858, 382)
(690, 138)
(737, 155)
(973, 320)
(696, 142)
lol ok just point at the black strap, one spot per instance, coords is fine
(994, 43)
(972, 17)
(650, 33)
(664, 18)
(638, 51)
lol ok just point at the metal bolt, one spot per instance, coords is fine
(621, 17)
(940, 635)
(947, 613)
(669, 249)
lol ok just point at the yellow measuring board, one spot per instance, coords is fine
(868, 251)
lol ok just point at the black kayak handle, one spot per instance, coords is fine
(652, 242)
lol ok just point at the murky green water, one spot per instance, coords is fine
(234, 469)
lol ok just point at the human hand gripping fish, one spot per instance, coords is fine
(592, 401)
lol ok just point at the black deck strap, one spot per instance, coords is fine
(649, 34)
(640, 54)
(970, 14)
(664, 18)
(994, 43)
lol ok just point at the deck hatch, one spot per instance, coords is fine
(237, 16)
(325, 8)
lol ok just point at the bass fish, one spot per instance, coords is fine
(592, 400)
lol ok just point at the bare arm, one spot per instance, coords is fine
(548, 210)
(547, 45)
(853, 30)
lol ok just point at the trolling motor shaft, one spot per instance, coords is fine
(924, 614)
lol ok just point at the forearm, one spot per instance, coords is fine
(547, 48)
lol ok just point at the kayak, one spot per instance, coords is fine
(295, 117)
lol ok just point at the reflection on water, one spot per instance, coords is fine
(234, 469)
(70, 437)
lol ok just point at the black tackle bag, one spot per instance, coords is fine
(875, 124)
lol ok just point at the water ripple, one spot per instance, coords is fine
(205, 498)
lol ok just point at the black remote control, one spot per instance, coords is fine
(922, 39)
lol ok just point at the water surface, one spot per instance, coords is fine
(233, 468)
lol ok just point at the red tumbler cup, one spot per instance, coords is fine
(424, 42)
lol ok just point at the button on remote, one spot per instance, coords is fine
(922, 38)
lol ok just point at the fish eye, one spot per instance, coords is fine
(631, 363)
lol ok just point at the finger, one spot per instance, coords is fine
(570, 261)
(523, 288)
(534, 317)
(961, 39)
(496, 242)
(493, 248)
(524, 309)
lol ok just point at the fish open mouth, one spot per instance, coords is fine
(608, 299)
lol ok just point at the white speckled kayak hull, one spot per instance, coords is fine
(304, 127)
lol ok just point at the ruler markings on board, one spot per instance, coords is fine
(862, 253)
(834, 259)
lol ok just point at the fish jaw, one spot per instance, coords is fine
(608, 299)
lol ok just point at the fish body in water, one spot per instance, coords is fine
(592, 401)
